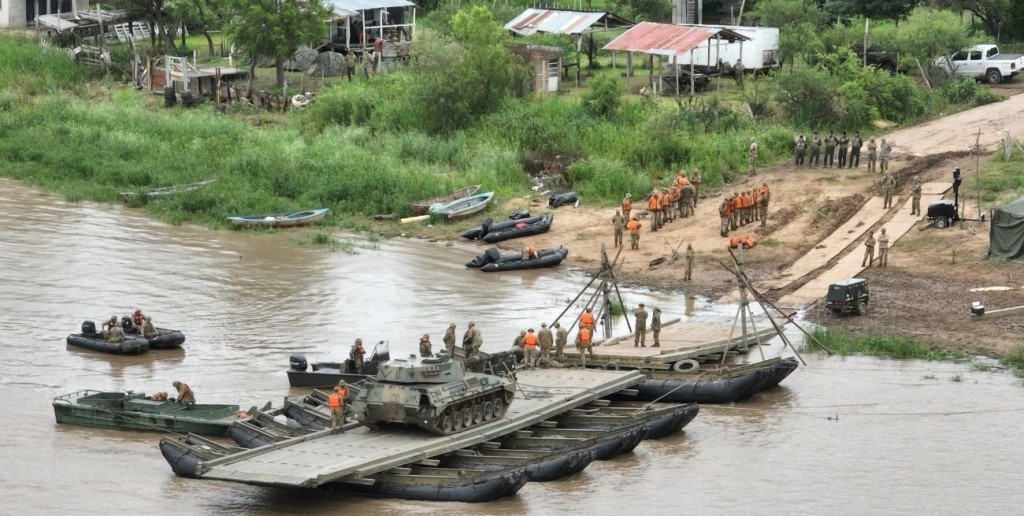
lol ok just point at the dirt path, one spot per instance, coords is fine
(809, 205)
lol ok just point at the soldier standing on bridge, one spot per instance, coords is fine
(869, 250)
(888, 185)
(544, 335)
(336, 402)
(561, 337)
(656, 327)
(915, 197)
(472, 341)
(640, 333)
(883, 249)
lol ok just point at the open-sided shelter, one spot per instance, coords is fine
(672, 41)
(357, 24)
(1006, 233)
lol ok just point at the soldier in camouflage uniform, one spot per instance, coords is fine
(888, 185)
(449, 339)
(725, 212)
(619, 223)
(561, 337)
(869, 250)
(815, 150)
(695, 181)
(544, 336)
(830, 150)
(762, 204)
(915, 197)
(656, 327)
(686, 200)
(855, 146)
(872, 155)
(689, 256)
(844, 147)
(472, 340)
(640, 325)
(799, 147)
(425, 346)
(752, 156)
(883, 156)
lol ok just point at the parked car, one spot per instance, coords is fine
(983, 62)
(848, 296)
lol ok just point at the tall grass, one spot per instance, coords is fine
(1015, 358)
(845, 344)
(29, 69)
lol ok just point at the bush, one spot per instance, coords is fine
(968, 91)
(604, 97)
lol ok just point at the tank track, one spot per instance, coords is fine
(471, 413)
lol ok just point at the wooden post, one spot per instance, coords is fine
(629, 64)
(216, 81)
(692, 88)
(867, 22)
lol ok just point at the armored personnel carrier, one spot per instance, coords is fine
(433, 393)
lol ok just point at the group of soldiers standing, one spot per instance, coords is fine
(848, 150)
(676, 201)
(742, 208)
(539, 345)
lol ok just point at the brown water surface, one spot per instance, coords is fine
(841, 436)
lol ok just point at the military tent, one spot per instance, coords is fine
(1006, 236)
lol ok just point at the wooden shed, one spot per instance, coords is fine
(545, 63)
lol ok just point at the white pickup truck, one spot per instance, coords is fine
(983, 62)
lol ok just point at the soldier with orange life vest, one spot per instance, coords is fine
(627, 205)
(185, 394)
(587, 319)
(530, 342)
(634, 233)
(138, 319)
(725, 212)
(654, 206)
(737, 205)
(336, 402)
(584, 343)
(665, 203)
(530, 252)
(425, 346)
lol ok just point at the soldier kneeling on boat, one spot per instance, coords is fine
(185, 394)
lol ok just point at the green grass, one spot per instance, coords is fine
(1001, 179)
(1015, 359)
(844, 344)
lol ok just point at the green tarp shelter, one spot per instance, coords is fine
(1006, 236)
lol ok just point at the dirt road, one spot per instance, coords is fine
(921, 294)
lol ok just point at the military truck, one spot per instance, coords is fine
(434, 393)
(848, 296)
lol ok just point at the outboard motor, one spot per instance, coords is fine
(297, 362)
(485, 227)
(491, 255)
(519, 214)
(127, 325)
(88, 328)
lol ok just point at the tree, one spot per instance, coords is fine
(461, 77)
(799, 21)
(928, 34)
(874, 9)
(274, 29)
(199, 16)
(645, 10)
(995, 15)
(604, 96)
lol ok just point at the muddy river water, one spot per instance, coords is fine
(839, 436)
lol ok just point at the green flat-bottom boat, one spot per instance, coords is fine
(136, 411)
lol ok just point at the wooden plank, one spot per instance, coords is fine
(1002, 312)
(417, 218)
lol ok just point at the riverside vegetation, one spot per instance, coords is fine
(374, 146)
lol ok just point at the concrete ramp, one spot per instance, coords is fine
(319, 458)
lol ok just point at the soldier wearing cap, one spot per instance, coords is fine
(561, 337)
(640, 323)
(472, 341)
(544, 335)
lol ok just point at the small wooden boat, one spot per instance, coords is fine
(421, 207)
(166, 190)
(281, 220)
(495, 261)
(136, 411)
(521, 228)
(462, 207)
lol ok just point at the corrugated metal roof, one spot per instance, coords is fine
(560, 22)
(668, 40)
(362, 5)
